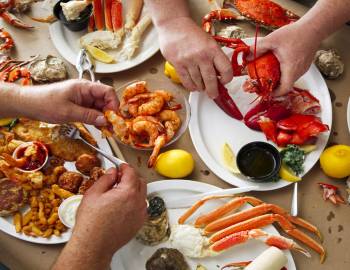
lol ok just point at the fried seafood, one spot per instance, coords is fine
(85, 163)
(12, 197)
(70, 181)
(84, 133)
(145, 119)
(95, 174)
(156, 228)
(69, 149)
(31, 130)
(167, 259)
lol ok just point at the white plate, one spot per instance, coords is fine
(134, 255)
(210, 127)
(6, 224)
(67, 44)
(348, 114)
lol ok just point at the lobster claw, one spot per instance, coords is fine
(226, 103)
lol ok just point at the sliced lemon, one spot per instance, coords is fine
(229, 158)
(5, 121)
(287, 174)
(170, 72)
(99, 55)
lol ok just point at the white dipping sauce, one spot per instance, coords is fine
(68, 210)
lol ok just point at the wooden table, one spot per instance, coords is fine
(332, 220)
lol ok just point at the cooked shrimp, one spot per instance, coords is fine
(158, 144)
(119, 124)
(146, 127)
(133, 90)
(13, 173)
(171, 121)
(19, 162)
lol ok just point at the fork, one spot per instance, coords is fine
(71, 131)
(294, 207)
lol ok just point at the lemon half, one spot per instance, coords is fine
(287, 174)
(229, 158)
(99, 55)
(335, 161)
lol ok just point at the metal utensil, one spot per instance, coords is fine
(71, 132)
(85, 63)
(190, 200)
(294, 207)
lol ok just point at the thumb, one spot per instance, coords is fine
(286, 82)
(88, 116)
(105, 182)
(262, 46)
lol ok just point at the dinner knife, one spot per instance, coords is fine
(185, 202)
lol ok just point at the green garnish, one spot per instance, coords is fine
(294, 158)
(12, 124)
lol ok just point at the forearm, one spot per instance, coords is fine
(83, 253)
(325, 17)
(162, 11)
(10, 100)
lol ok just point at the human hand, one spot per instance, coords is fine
(295, 50)
(195, 55)
(110, 216)
(69, 101)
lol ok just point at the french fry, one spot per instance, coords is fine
(55, 202)
(17, 221)
(34, 202)
(27, 187)
(56, 232)
(59, 226)
(36, 230)
(52, 219)
(27, 218)
(48, 233)
(27, 230)
(64, 194)
(41, 213)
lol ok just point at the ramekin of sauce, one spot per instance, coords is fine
(68, 210)
(259, 161)
(31, 156)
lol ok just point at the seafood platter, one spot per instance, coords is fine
(118, 34)
(214, 232)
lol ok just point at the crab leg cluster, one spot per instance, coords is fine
(108, 14)
(226, 229)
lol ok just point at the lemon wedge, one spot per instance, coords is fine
(287, 174)
(5, 121)
(170, 72)
(229, 158)
(99, 55)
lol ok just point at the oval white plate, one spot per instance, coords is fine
(134, 255)
(67, 44)
(6, 224)
(210, 127)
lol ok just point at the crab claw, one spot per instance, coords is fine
(258, 234)
(13, 20)
(331, 192)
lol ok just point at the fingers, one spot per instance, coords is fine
(196, 77)
(210, 79)
(185, 78)
(129, 178)
(263, 45)
(223, 67)
(287, 81)
(105, 183)
(87, 116)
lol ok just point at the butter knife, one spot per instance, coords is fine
(190, 200)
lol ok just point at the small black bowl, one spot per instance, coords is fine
(77, 25)
(259, 161)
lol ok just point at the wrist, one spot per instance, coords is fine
(172, 22)
(10, 100)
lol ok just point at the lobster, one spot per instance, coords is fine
(289, 119)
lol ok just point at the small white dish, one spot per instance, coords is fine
(26, 145)
(68, 210)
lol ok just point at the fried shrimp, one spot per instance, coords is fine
(171, 121)
(120, 127)
(146, 129)
(133, 90)
(158, 144)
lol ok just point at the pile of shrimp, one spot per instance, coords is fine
(145, 119)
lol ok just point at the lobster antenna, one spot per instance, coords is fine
(256, 41)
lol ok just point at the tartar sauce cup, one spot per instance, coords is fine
(68, 210)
